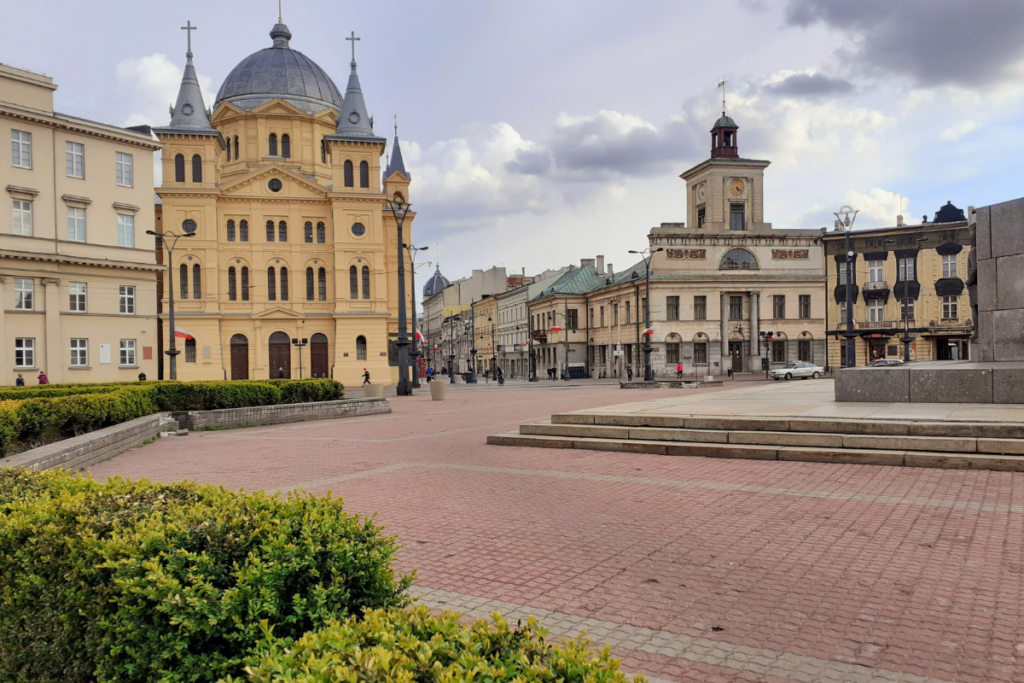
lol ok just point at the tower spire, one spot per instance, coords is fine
(189, 111)
(397, 164)
(279, 19)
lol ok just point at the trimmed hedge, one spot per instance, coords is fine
(51, 391)
(140, 582)
(411, 645)
(8, 424)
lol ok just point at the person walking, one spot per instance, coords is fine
(280, 373)
(366, 377)
(629, 372)
(20, 382)
(679, 370)
(501, 377)
(43, 379)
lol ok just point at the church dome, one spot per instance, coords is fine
(279, 71)
(435, 284)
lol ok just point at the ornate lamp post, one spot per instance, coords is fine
(415, 346)
(188, 230)
(845, 223)
(400, 209)
(300, 344)
(647, 254)
(905, 301)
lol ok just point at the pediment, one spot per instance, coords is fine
(398, 175)
(225, 110)
(277, 312)
(257, 184)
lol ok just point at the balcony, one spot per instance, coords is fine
(874, 286)
(540, 336)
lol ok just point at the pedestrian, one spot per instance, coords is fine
(430, 374)
(280, 373)
(629, 371)
(366, 377)
(20, 382)
(679, 370)
(43, 379)
(501, 377)
(142, 377)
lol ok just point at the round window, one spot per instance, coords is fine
(358, 230)
(275, 185)
(189, 226)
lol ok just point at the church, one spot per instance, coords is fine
(290, 235)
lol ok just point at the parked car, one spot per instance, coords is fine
(801, 370)
(881, 362)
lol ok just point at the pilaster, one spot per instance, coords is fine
(55, 360)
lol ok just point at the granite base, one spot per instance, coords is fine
(933, 382)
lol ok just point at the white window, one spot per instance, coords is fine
(876, 311)
(949, 308)
(76, 293)
(75, 155)
(124, 169)
(21, 149)
(125, 230)
(127, 352)
(79, 353)
(23, 294)
(906, 269)
(949, 265)
(875, 271)
(907, 311)
(76, 224)
(24, 353)
(126, 296)
(842, 313)
(23, 217)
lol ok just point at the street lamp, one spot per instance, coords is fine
(767, 336)
(400, 209)
(415, 353)
(299, 344)
(188, 228)
(647, 254)
(905, 301)
(845, 223)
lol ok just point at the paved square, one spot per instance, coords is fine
(694, 569)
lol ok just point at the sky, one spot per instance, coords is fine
(542, 132)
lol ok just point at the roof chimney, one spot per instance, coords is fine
(899, 221)
(611, 271)
(586, 262)
(600, 263)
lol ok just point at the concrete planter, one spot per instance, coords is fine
(374, 391)
(459, 379)
(437, 390)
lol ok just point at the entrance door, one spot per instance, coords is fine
(280, 356)
(239, 357)
(876, 349)
(736, 353)
(318, 357)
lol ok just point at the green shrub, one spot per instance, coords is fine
(8, 424)
(309, 390)
(53, 391)
(140, 581)
(411, 645)
(214, 395)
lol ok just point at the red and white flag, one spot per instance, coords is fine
(554, 329)
(649, 330)
(419, 335)
(527, 343)
(182, 333)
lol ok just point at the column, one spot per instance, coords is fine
(55, 358)
(726, 360)
(755, 331)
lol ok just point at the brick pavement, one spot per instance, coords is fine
(694, 569)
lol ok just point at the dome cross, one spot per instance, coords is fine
(353, 39)
(189, 28)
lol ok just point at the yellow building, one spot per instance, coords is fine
(77, 271)
(281, 182)
(485, 326)
(908, 276)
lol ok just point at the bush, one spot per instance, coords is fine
(411, 645)
(53, 391)
(215, 395)
(309, 390)
(139, 581)
(8, 424)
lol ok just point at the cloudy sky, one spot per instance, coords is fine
(544, 131)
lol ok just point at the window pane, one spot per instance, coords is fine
(76, 224)
(124, 169)
(23, 294)
(126, 299)
(125, 230)
(25, 353)
(23, 217)
(79, 353)
(21, 149)
(127, 352)
(76, 294)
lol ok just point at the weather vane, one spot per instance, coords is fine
(721, 84)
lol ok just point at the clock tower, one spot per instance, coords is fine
(725, 193)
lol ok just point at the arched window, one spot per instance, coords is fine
(399, 197)
(310, 292)
(183, 281)
(286, 146)
(245, 283)
(364, 174)
(322, 277)
(308, 232)
(179, 168)
(273, 144)
(353, 283)
(284, 284)
(738, 259)
(282, 232)
(270, 231)
(321, 233)
(229, 149)
(237, 153)
(360, 347)
(231, 231)
(243, 231)
(197, 169)
(366, 282)
(271, 284)
(232, 285)
(323, 151)
(197, 282)
(348, 174)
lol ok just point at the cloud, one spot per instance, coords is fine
(955, 132)
(878, 205)
(149, 85)
(931, 42)
(810, 85)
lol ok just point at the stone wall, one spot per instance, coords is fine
(1000, 250)
(292, 412)
(81, 451)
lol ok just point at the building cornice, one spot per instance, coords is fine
(724, 162)
(79, 260)
(77, 125)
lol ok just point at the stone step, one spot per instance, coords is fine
(860, 456)
(850, 426)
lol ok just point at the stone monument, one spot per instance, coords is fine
(995, 373)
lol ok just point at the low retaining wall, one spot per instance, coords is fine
(933, 382)
(88, 449)
(669, 384)
(290, 412)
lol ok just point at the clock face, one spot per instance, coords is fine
(702, 193)
(736, 186)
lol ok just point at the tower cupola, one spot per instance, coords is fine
(723, 138)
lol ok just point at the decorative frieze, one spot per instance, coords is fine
(791, 254)
(687, 253)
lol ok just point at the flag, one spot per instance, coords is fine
(182, 333)
(649, 330)
(554, 329)
(527, 343)
(419, 335)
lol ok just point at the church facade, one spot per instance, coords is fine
(290, 235)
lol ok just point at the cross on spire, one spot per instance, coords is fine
(189, 28)
(396, 125)
(279, 19)
(721, 84)
(353, 39)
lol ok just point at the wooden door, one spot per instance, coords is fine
(239, 357)
(318, 357)
(280, 359)
(876, 350)
(736, 353)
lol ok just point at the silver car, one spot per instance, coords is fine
(801, 370)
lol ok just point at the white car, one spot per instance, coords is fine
(801, 370)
